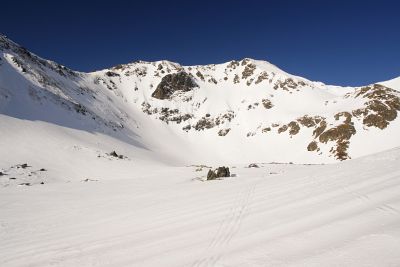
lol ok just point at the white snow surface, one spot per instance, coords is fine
(74, 204)
(345, 214)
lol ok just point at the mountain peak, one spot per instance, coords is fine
(238, 110)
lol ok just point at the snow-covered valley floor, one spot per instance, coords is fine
(345, 214)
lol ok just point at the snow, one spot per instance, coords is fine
(345, 214)
(393, 83)
(74, 204)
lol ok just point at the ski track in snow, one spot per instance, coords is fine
(302, 216)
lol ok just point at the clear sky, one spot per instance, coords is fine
(336, 42)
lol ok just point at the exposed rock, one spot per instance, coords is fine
(112, 74)
(114, 154)
(282, 129)
(223, 132)
(200, 75)
(248, 83)
(248, 71)
(187, 128)
(253, 165)
(24, 166)
(266, 129)
(166, 114)
(340, 134)
(19, 64)
(171, 83)
(220, 172)
(222, 118)
(245, 61)
(223, 172)
(204, 123)
(360, 112)
(345, 114)
(173, 115)
(236, 79)
(89, 180)
(211, 175)
(233, 64)
(320, 129)
(79, 108)
(249, 134)
(309, 122)
(212, 80)
(312, 146)
(146, 108)
(286, 85)
(294, 128)
(267, 103)
(263, 76)
(382, 107)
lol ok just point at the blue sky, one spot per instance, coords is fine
(336, 42)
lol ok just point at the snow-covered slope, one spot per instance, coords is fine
(393, 83)
(345, 214)
(108, 168)
(239, 111)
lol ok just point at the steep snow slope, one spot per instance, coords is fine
(394, 83)
(345, 214)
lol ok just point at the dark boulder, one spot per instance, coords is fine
(24, 165)
(223, 172)
(112, 74)
(211, 175)
(171, 83)
(218, 173)
(114, 154)
(253, 165)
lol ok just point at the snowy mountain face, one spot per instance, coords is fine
(239, 111)
(110, 168)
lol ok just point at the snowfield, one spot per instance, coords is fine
(345, 214)
(109, 168)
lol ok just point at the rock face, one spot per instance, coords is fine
(171, 83)
(218, 173)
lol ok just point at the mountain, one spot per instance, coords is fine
(109, 168)
(239, 111)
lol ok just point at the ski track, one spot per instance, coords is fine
(303, 216)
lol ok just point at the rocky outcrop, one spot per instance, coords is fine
(171, 83)
(267, 103)
(223, 132)
(220, 172)
(381, 108)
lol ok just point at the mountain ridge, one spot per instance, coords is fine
(239, 110)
